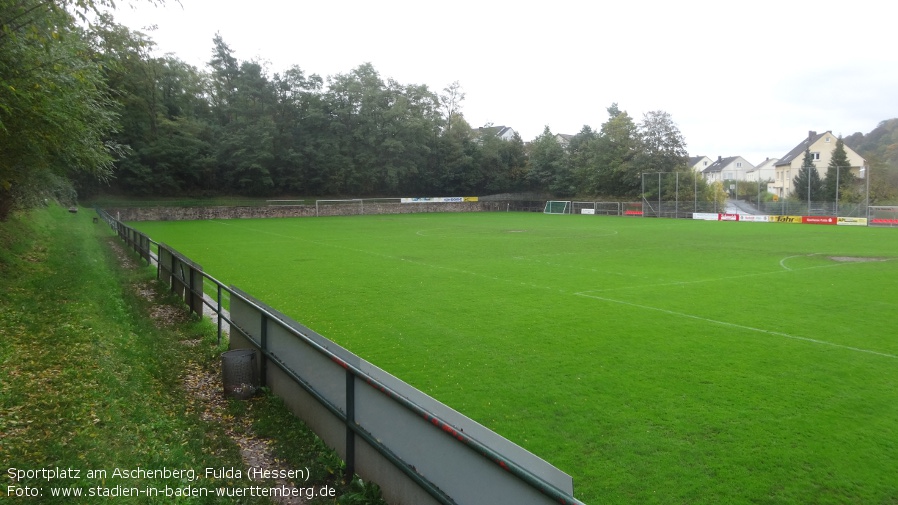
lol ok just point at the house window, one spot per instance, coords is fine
(705, 163)
(815, 156)
(827, 139)
(738, 164)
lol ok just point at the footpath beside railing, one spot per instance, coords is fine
(418, 450)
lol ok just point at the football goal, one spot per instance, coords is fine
(356, 206)
(557, 207)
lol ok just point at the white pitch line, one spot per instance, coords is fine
(733, 325)
(783, 261)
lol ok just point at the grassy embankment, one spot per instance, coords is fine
(89, 381)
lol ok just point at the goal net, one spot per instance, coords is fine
(883, 215)
(557, 207)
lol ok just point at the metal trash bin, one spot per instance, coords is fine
(238, 372)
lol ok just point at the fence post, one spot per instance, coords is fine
(263, 344)
(196, 289)
(172, 271)
(218, 311)
(350, 420)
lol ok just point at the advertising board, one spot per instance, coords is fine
(819, 220)
(852, 221)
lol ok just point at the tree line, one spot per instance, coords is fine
(85, 99)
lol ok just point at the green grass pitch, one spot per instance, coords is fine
(656, 361)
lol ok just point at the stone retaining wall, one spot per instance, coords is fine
(201, 213)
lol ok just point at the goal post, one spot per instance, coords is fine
(557, 207)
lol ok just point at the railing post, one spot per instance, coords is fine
(196, 289)
(218, 299)
(191, 301)
(172, 271)
(350, 420)
(263, 344)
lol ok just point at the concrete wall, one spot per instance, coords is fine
(201, 213)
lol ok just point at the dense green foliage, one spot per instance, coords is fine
(56, 112)
(353, 134)
(880, 149)
(655, 360)
(87, 98)
(839, 183)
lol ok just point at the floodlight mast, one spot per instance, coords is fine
(809, 192)
(867, 176)
(837, 190)
(642, 203)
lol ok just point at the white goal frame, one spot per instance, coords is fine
(551, 206)
(353, 206)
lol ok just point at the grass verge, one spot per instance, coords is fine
(92, 383)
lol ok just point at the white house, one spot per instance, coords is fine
(699, 163)
(821, 147)
(563, 139)
(732, 168)
(502, 132)
(765, 171)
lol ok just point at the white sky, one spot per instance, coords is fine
(743, 79)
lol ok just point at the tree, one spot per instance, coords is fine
(300, 122)
(56, 112)
(549, 168)
(663, 146)
(717, 194)
(451, 100)
(807, 183)
(838, 175)
(245, 152)
(883, 181)
(225, 70)
(616, 171)
(581, 154)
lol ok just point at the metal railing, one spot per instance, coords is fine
(463, 462)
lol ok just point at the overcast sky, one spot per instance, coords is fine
(743, 79)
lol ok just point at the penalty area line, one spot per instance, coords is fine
(733, 325)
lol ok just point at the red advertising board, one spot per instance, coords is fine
(728, 217)
(819, 220)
